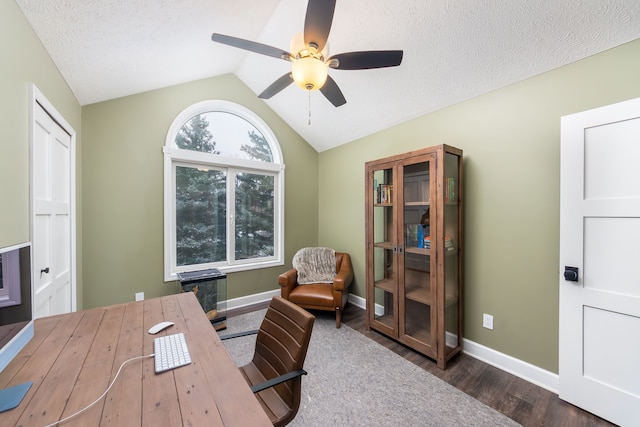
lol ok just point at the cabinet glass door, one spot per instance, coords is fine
(452, 237)
(385, 247)
(414, 239)
(417, 305)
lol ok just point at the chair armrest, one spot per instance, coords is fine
(238, 335)
(344, 277)
(277, 380)
(288, 280)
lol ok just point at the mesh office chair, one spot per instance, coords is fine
(275, 371)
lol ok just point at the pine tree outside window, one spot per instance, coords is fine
(223, 185)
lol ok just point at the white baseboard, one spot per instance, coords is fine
(358, 301)
(519, 368)
(252, 299)
(266, 296)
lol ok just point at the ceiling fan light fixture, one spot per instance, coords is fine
(309, 55)
(309, 73)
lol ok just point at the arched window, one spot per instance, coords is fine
(223, 191)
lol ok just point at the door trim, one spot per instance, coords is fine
(37, 97)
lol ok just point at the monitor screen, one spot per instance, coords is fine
(16, 314)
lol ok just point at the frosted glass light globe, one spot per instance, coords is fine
(309, 73)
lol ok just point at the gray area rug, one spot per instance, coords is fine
(354, 381)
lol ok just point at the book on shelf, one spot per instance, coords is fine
(448, 243)
(450, 190)
(411, 235)
(384, 194)
(416, 236)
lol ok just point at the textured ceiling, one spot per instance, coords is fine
(453, 50)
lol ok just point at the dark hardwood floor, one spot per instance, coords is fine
(516, 398)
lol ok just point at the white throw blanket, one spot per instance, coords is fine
(315, 265)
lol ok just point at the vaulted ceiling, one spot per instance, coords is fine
(453, 50)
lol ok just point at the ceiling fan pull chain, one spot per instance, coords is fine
(309, 106)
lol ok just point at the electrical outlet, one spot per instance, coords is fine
(139, 296)
(487, 321)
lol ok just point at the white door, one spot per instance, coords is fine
(52, 165)
(599, 361)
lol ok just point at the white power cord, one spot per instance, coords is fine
(103, 394)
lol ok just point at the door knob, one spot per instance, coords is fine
(44, 270)
(571, 274)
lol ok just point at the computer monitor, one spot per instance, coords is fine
(16, 311)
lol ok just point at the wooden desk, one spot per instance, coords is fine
(72, 358)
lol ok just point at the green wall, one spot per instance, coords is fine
(511, 143)
(123, 191)
(25, 61)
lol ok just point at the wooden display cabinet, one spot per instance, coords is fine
(414, 249)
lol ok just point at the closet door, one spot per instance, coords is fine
(54, 287)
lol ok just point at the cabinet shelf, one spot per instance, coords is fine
(419, 251)
(384, 245)
(418, 294)
(386, 320)
(386, 285)
(414, 294)
(419, 332)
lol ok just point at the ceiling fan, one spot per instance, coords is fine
(310, 63)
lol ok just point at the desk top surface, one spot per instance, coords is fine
(73, 357)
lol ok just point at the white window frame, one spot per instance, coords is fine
(174, 156)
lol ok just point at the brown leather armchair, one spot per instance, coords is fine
(320, 296)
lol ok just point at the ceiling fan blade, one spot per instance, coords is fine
(277, 86)
(256, 47)
(317, 22)
(366, 59)
(332, 92)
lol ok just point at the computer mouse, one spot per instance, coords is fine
(159, 327)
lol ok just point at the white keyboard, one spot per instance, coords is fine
(171, 351)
